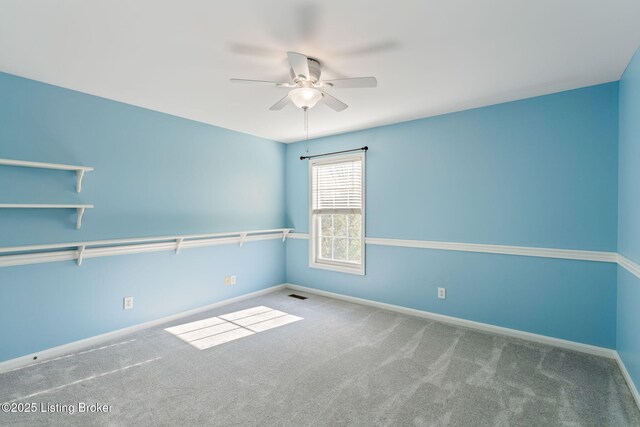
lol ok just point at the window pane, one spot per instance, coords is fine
(340, 249)
(354, 225)
(337, 213)
(325, 225)
(355, 250)
(325, 248)
(340, 225)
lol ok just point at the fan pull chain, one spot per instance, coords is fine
(306, 126)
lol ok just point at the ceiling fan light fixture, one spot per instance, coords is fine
(305, 97)
(306, 85)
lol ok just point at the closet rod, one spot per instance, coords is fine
(365, 148)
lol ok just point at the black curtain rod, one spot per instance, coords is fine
(365, 148)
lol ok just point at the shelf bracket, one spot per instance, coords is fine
(80, 254)
(80, 212)
(178, 244)
(242, 237)
(79, 176)
(284, 234)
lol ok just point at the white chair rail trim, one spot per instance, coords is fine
(35, 254)
(629, 265)
(571, 254)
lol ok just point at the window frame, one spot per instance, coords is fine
(314, 226)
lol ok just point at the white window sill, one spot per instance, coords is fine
(357, 270)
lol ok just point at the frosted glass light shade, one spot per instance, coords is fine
(305, 97)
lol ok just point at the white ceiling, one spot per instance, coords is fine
(430, 57)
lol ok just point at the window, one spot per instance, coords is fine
(336, 240)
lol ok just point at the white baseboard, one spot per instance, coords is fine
(556, 342)
(628, 379)
(99, 339)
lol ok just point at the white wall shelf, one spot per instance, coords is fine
(79, 208)
(80, 170)
(35, 254)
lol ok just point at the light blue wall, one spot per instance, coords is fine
(629, 162)
(46, 305)
(155, 174)
(629, 218)
(539, 172)
(573, 300)
(628, 325)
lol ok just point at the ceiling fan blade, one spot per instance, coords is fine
(280, 104)
(261, 82)
(299, 64)
(333, 102)
(353, 82)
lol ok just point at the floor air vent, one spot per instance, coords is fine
(297, 296)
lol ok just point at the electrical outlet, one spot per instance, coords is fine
(233, 280)
(442, 293)
(128, 303)
(227, 281)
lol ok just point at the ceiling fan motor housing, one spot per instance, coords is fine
(314, 71)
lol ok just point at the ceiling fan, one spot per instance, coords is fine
(306, 87)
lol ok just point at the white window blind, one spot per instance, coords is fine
(337, 187)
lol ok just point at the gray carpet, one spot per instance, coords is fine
(344, 364)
